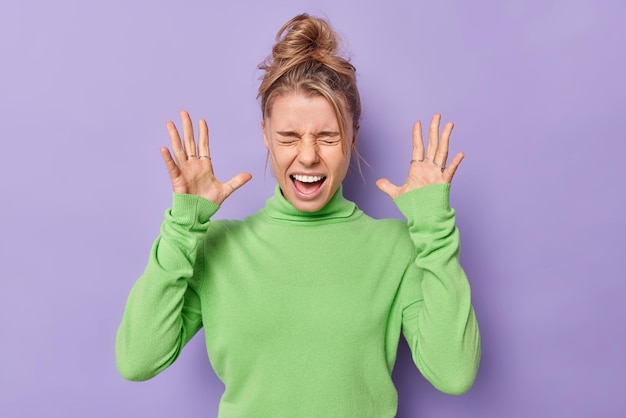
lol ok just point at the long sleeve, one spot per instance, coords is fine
(163, 309)
(438, 320)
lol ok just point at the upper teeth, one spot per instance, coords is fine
(307, 179)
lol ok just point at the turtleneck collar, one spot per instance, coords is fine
(277, 207)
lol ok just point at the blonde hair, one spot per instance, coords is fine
(305, 60)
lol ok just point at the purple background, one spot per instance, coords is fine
(537, 94)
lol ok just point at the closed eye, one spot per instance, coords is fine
(323, 138)
(328, 138)
(287, 137)
(287, 141)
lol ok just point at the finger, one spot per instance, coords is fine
(442, 150)
(203, 140)
(238, 181)
(190, 145)
(418, 143)
(172, 168)
(388, 188)
(448, 173)
(177, 146)
(433, 137)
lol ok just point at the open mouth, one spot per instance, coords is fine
(307, 185)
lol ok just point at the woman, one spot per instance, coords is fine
(302, 303)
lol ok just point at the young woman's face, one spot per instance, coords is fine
(307, 154)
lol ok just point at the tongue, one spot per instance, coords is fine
(307, 188)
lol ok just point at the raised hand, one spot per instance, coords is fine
(426, 169)
(192, 171)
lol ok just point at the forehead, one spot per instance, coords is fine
(299, 111)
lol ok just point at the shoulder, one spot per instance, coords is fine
(389, 231)
(222, 226)
(391, 225)
(234, 228)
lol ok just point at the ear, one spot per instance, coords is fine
(265, 140)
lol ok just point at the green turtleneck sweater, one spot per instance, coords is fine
(302, 312)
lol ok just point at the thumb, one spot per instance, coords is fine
(388, 188)
(239, 180)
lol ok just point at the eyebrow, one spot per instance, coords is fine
(293, 133)
(328, 133)
(287, 133)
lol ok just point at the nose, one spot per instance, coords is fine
(308, 153)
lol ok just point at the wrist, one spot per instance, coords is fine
(425, 201)
(192, 210)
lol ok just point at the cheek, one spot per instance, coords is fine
(341, 161)
(279, 160)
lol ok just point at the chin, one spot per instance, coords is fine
(309, 206)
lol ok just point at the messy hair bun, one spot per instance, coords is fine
(305, 59)
(305, 38)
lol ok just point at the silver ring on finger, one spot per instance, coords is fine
(192, 156)
(416, 161)
(204, 156)
(443, 167)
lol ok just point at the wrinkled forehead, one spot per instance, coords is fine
(303, 113)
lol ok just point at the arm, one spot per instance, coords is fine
(163, 309)
(438, 320)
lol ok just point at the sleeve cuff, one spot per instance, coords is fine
(425, 202)
(191, 210)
